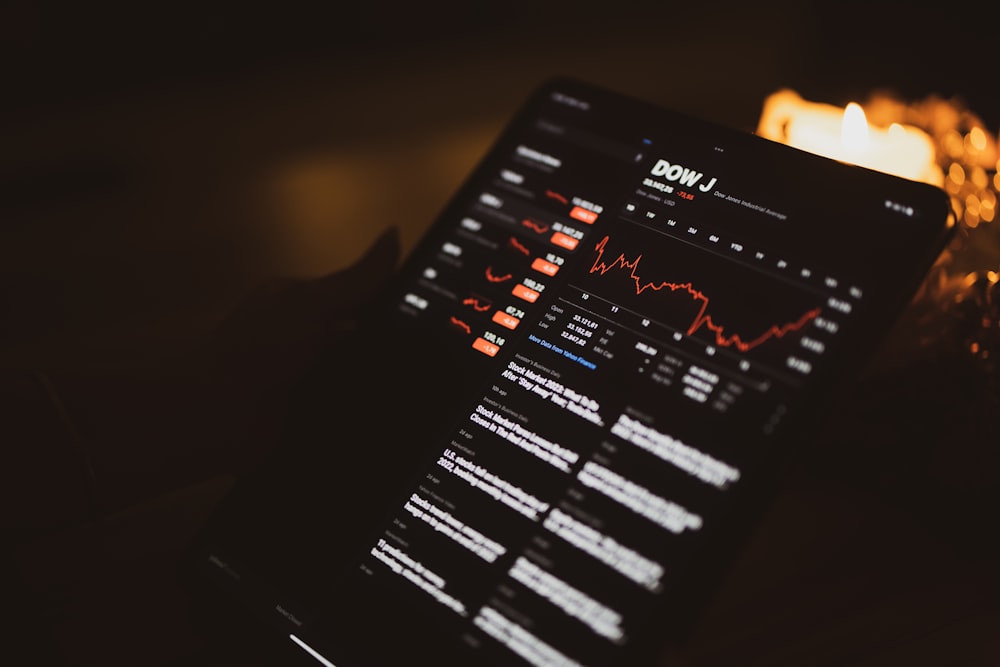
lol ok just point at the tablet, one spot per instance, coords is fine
(553, 428)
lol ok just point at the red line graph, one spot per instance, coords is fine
(459, 324)
(477, 305)
(552, 194)
(702, 319)
(537, 227)
(518, 246)
(493, 278)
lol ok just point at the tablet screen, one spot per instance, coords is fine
(571, 393)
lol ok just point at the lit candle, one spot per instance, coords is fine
(845, 135)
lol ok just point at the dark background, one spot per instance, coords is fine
(163, 163)
(716, 58)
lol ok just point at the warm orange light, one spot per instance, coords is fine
(977, 139)
(844, 134)
(854, 134)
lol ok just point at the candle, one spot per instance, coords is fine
(845, 135)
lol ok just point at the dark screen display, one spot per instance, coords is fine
(605, 342)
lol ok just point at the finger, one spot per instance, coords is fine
(352, 287)
(285, 324)
(296, 307)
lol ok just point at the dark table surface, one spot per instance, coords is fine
(160, 172)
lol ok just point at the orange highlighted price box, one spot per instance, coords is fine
(583, 215)
(505, 320)
(544, 266)
(486, 347)
(564, 241)
(522, 292)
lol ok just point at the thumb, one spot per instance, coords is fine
(303, 311)
(342, 292)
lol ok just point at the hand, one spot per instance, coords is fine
(274, 333)
(250, 364)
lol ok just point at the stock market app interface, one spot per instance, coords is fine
(642, 307)
(637, 304)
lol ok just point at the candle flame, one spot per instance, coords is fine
(854, 128)
(903, 150)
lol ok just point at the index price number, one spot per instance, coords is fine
(533, 284)
(493, 338)
(514, 312)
